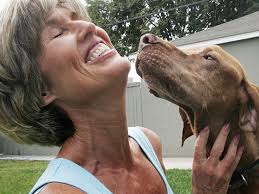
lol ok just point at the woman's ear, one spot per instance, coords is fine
(48, 97)
(249, 109)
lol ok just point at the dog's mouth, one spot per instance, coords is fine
(137, 69)
(153, 92)
(149, 60)
(190, 114)
(150, 67)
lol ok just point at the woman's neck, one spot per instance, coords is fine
(101, 137)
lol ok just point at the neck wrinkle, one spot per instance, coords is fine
(101, 138)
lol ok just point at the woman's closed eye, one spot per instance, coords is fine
(59, 33)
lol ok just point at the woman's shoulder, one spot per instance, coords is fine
(152, 137)
(57, 188)
(155, 141)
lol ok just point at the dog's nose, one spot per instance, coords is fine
(147, 39)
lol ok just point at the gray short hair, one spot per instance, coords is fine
(22, 114)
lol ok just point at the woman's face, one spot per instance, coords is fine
(78, 60)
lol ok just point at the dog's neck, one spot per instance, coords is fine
(215, 120)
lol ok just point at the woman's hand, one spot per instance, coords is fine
(212, 175)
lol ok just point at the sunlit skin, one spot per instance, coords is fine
(93, 96)
(91, 90)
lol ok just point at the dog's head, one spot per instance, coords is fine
(197, 80)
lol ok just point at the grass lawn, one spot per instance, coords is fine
(18, 177)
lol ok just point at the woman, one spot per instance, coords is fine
(62, 83)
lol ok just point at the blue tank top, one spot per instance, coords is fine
(64, 171)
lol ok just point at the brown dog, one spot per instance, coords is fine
(211, 88)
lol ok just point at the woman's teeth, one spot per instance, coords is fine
(98, 51)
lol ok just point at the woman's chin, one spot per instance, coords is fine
(118, 66)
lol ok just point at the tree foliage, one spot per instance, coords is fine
(170, 19)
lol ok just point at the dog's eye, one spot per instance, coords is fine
(208, 57)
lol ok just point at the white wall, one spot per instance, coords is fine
(163, 117)
(247, 52)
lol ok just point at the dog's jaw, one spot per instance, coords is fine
(152, 66)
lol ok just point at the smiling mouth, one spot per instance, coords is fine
(100, 49)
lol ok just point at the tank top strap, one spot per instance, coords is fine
(64, 171)
(143, 142)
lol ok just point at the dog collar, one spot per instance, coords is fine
(244, 175)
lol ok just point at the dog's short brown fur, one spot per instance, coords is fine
(210, 87)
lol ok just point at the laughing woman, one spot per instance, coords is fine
(62, 83)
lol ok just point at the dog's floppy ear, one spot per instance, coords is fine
(249, 110)
(187, 129)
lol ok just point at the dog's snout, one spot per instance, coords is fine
(147, 39)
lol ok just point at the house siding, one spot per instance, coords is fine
(247, 52)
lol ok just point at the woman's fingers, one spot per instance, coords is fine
(200, 145)
(219, 144)
(210, 175)
(238, 157)
(233, 155)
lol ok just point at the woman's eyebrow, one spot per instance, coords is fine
(54, 19)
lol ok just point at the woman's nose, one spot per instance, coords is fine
(83, 29)
(147, 39)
